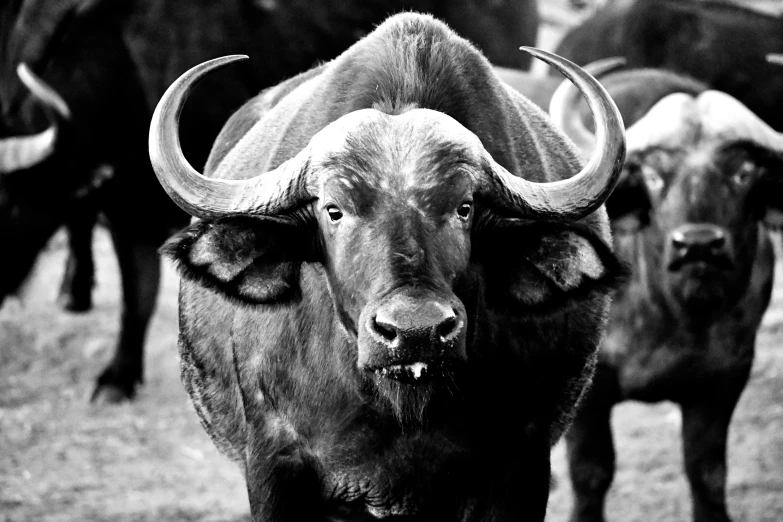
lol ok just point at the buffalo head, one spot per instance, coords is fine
(702, 172)
(396, 206)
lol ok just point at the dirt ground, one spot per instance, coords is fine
(63, 459)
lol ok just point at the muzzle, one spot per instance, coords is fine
(700, 243)
(412, 338)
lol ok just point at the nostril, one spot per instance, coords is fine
(717, 242)
(387, 331)
(678, 240)
(447, 328)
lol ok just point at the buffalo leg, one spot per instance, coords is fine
(79, 278)
(705, 427)
(591, 457)
(140, 273)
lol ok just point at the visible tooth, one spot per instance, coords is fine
(417, 368)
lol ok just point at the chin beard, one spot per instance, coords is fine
(414, 403)
(700, 294)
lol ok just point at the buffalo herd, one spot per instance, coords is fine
(402, 281)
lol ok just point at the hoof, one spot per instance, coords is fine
(76, 289)
(109, 395)
(75, 304)
(108, 391)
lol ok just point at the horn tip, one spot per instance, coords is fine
(235, 58)
(25, 74)
(535, 51)
(42, 90)
(221, 61)
(612, 62)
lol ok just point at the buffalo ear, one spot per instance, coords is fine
(630, 204)
(252, 259)
(540, 268)
(767, 198)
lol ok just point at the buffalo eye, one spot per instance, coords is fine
(334, 213)
(743, 174)
(652, 179)
(464, 210)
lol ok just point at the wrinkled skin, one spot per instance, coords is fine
(720, 44)
(111, 62)
(286, 321)
(688, 220)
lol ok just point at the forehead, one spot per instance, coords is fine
(707, 121)
(418, 150)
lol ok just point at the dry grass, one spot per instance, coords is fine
(63, 459)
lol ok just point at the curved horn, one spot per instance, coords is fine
(578, 196)
(563, 105)
(44, 92)
(268, 193)
(777, 59)
(23, 152)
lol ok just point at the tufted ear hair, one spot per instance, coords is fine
(254, 260)
(534, 269)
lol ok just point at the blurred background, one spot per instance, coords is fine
(63, 457)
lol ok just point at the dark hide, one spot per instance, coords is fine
(111, 60)
(723, 45)
(98, 165)
(684, 329)
(278, 384)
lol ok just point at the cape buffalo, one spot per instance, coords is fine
(392, 295)
(719, 43)
(702, 175)
(74, 145)
(72, 125)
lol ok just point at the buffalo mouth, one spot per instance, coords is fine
(701, 264)
(415, 393)
(416, 372)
